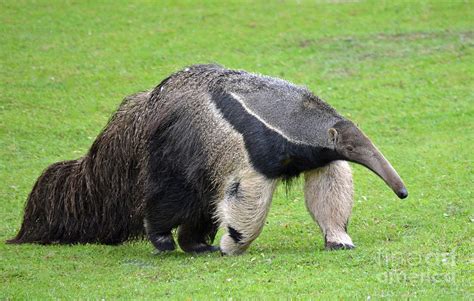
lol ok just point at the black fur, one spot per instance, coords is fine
(270, 153)
(233, 189)
(180, 190)
(234, 234)
(163, 242)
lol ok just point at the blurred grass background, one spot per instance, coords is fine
(402, 70)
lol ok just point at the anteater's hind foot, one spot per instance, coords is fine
(200, 248)
(195, 239)
(163, 242)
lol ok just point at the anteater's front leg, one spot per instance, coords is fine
(243, 211)
(328, 194)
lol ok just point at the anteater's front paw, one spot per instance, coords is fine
(229, 246)
(331, 246)
(338, 240)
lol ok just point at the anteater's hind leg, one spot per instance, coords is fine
(195, 237)
(158, 225)
(328, 195)
(163, 242)
(172, 203)
(164, 211)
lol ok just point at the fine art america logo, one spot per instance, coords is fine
(416, 268)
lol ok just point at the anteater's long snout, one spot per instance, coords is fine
(380, 166)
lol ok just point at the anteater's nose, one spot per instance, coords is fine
(402, 193)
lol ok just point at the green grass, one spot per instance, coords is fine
(404, 71)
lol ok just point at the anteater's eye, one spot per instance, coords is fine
(350, 148)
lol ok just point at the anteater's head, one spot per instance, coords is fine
(351, 144)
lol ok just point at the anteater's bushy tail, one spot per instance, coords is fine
(97, 198)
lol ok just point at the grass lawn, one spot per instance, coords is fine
(404, 71)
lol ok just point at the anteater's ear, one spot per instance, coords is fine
(332, 133)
